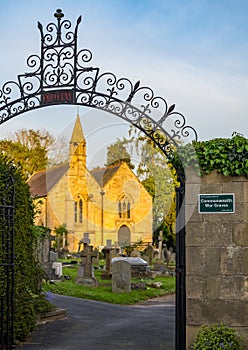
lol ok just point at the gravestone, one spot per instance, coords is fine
(139, 267)
(135, 253)
(56, 267)
(84, 240)
(85, 272)
(169, 255)
(149, 252)
(160, 244)
(121, 277)
(108, 251)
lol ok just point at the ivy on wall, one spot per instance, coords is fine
(227, 156)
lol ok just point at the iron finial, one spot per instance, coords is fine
(59, 14)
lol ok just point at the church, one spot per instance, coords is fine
(108, 204)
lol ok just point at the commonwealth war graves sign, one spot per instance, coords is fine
(216, 203)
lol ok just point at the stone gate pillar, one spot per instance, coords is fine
(217, 257)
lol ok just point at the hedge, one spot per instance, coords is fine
(27, 273)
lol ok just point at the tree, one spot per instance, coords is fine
(30, 160)
(160, 179)
(33, 138)
(117, 153)
(29, 149)
(58, 153)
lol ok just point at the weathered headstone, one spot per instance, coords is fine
(139, 267)
(108, 251)
(169, 255)
(135, 253)
(121, 277)
(57, 267)
(149, 252)
(53, 256)
(85, 274)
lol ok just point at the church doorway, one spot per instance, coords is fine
(124, 236)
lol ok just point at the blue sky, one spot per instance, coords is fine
(192, 53)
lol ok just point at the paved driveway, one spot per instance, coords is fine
(92, 325)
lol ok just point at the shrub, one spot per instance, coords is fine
(213, 337)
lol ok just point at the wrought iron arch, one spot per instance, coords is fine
(62, 74)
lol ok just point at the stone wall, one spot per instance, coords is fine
(217, 257)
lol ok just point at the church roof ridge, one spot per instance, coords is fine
(106, 167)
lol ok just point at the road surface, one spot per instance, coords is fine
(92, 325)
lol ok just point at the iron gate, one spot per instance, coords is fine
(62, 74)
(7, 209)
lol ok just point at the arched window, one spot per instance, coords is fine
(120, 209)
(80, 211)
(128, 210)
(75, 211)
(124, 208)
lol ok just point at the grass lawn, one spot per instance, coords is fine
(104, 290)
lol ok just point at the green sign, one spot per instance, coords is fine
(216, 203)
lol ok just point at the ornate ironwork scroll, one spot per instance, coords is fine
(62, 75)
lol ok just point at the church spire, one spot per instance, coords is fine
(77, 134)
(78, 142)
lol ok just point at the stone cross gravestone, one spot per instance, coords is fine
(121, 277)
(85, 240)
(85, 275)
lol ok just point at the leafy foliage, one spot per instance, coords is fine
(61, 233)
(160, 180)
(117, 153)
(28, 275)
(215, 337)
(29, 149)
(227, 156)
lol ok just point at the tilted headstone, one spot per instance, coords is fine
(121, 277)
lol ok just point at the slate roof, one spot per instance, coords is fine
(102, 176)
(43, 181)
